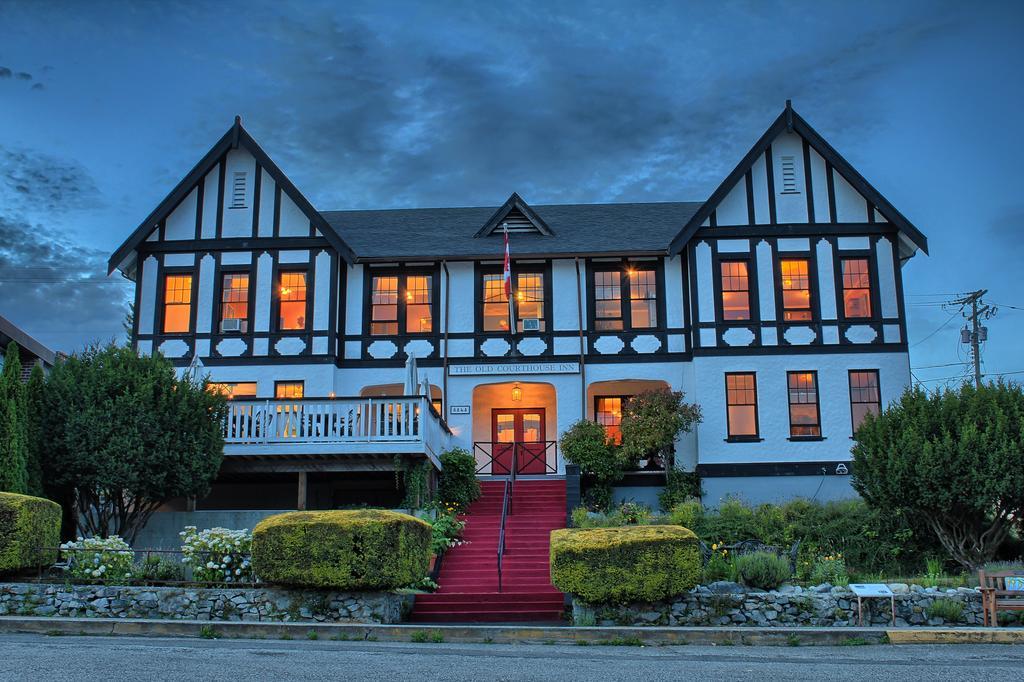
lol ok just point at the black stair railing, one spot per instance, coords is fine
(506, 510)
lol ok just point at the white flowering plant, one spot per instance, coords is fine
(218, 555)
(107, 560)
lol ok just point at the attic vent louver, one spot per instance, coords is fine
(789, 175)
(517, 222)
(238, 190)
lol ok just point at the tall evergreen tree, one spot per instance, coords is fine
(13, 474)
(34, 432)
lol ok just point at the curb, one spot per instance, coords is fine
(511, 634)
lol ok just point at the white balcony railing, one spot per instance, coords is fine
(408, 422)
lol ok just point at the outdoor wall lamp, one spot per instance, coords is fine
(517, 393)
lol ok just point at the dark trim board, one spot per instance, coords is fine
(754, 469)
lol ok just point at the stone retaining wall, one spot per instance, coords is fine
(273, 604)
(824, 605)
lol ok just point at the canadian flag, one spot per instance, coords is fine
(507, 275)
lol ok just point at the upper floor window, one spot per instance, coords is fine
(856, 287)
(804, 416)
(865, 396)
(394, 298)
(292, 300)
(608, 413)
(528, 295)
(616, 292)
(735, 290)
(741, 405)
(234, 299)
(796, 289)
(177, 304)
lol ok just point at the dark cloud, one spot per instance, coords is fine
(43, 183)
(5, 72)
(51, 284)
(554, 110)
(37, 86)
(21, 75)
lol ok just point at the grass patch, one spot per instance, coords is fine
(727, 642)
(208, 632)
(54, 633)
(949, 610)
(341, 637)
(855, 641)
(621, 641)
(312, 635)
(487, 640)
(427, 637)
(792, 640)
(286, 637)
(548, 642)
(582, 642)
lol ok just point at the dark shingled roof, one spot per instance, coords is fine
(578, 229)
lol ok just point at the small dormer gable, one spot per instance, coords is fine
(518, 217)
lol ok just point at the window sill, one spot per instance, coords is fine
(810, 439)
(744, 439)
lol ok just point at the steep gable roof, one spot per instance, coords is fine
(790, 120)
(518, 212)
(235, 137)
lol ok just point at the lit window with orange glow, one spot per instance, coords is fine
(383, 305)
(177, 304)
(804, 416)
(608, 413)
(418, 309)
(292, 300)
(643, 298)
(234, 391)
(735, 290)
(741, 405)
(289, 390)
(529, 298)
(796, 289)
(608, 300)
(495, 303)
(856, 288)
(234, 297)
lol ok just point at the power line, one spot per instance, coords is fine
(940, 328)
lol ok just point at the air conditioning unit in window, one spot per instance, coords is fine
(531, 324)
(232, 326)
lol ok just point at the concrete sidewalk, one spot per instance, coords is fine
(511, 634)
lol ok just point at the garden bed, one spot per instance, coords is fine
(729, 604)
(270, 604)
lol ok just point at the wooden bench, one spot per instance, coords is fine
(1001, 591)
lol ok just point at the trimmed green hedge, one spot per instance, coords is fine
(29, 528)
(620, 565)
(353, 550)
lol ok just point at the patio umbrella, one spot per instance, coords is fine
(412, 381)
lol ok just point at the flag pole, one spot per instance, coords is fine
(507, 275)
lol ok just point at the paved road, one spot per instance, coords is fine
(31, 657)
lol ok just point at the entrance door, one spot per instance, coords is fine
(523, 427)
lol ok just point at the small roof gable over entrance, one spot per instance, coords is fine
(786, 125)
(519, 217)
(235, 137)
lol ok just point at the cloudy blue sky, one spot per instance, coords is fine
(104, 106)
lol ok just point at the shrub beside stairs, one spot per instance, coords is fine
(469, 573)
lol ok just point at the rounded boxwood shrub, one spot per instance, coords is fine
(625, 564)
(29, 531)
(350, 550)
(762, 570)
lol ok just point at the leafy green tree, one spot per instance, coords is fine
(952, 462)
(127, 436)
(586, 445)
(651, 422)
(35, 436)
(13, 446)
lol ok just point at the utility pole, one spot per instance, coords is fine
(977, 333)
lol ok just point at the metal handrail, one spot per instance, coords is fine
(506, 510)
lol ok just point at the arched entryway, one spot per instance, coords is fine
(515, 425)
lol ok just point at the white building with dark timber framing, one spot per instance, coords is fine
(776, 304)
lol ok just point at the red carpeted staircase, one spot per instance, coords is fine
(469, 574)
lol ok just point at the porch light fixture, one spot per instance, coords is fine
(517, 393)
